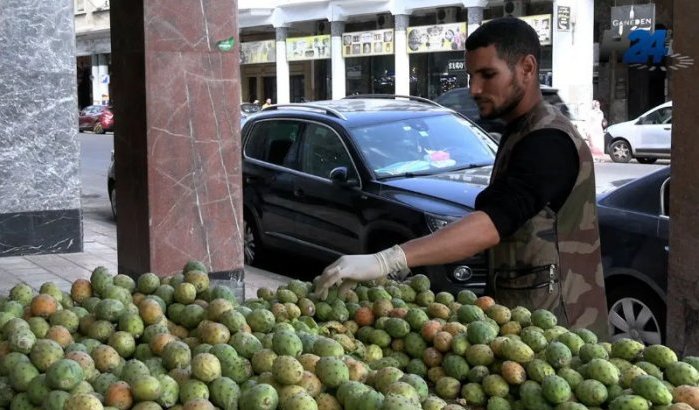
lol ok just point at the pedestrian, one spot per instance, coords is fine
(596, 124)
(537, 217)
(267, 103)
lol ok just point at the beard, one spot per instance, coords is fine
(516, 95)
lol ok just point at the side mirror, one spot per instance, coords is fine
(340, 176)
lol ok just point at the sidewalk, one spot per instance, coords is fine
(99, 248)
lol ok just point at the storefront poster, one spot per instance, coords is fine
(542, 25)
(367, 43)
(635, 17)
(257, 52)
(563, 18)
(308, 48)
(439, 37)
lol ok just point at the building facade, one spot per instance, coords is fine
(301, 50)
(93, 51)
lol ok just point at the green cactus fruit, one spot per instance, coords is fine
(679, 373)
(404, 390)
(147, 283)
(169, 391)
(534, 337)
(555, 389)
(418, 383)
(474, 394)
(55, 400)
(480, 332)
(192, 389)
(602, 371)
(590, 351)
(627, 349)
(651, 369)
(239, 369)
(533, 397)
(350, 388)
(83, 401)
(571, 405)
(573, 377)
(495, 385)
(206, 367)
(447, 388)
(146, 388)
(385, 377)
(261, 320)
(37, 390)
(456, 366)
(558, 355)
(629, 402)
(544, 319)
(259, 397)
(538, 369)
(477, 373)
(287, 343)
(652, 389)
(517, 351)
(64, 374)
(22, 293)
(245, 344)
(224, 393)
(103, 380)
(192, 315)
(397, 327)
(479, 355)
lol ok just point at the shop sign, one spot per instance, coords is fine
(541, 23)
(456, 65)
(367, 43)
(308, 48)
(563, 18)
(438, 37)
(257, 52)
(635, 17)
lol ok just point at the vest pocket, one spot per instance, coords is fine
(534, 288)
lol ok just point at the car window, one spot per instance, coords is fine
(426, 145)
(273, 141)
(322, 151)
(460, 101)
(659, 116)
(642, 196)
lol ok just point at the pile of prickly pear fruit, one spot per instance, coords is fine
(179, 343)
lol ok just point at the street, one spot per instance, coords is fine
(95, 154)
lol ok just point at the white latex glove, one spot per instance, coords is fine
(350, 269)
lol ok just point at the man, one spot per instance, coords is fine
(538, 215)
(267, 103)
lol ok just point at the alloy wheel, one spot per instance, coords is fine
(633, 319)
(621, 151)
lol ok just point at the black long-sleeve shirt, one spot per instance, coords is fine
(542, 170)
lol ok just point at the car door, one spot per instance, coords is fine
(84, 117)
(270, 168)
(656, 130)
(329, 213)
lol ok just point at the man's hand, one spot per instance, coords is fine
(361, 268)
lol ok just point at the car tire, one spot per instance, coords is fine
(646, 160)
(253, 251)
(98, 129)
(635, 312)
(620, 151)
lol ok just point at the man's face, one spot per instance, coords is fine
(495, 87)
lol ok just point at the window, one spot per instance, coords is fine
(659, 116)
(273, 142)
(322, 151)
(79, 6)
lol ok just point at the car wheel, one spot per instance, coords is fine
(98, 129)
(635, 313)
(112, 200)
(620, 151)
(646, 160)
(252, 246)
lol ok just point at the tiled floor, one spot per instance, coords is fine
(99, 249)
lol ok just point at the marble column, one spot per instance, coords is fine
(175, 81)
(337, 61)
(283, 86)
(100, 79)
(40, 209)
(402, 58)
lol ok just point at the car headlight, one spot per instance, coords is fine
(437, 222)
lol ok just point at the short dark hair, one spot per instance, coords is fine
(513, 39)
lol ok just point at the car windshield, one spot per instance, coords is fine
(423, 146)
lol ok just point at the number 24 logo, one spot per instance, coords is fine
(646, 46)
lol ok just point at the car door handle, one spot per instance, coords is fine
(298, 192)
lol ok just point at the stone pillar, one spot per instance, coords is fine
(475, 19)
(40, 208)
(683, 287)
(100, 79)
(402, 58)
(283, 88)
(574, 81)
(177, 146)
(337, 61)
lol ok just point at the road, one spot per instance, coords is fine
(95, 152)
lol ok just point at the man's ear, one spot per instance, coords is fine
(529, 67)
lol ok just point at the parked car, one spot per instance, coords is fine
(645, 138)
(246, 110)
(361, 174)
(634, 222)
(96, 118)
(461, 101)
(111, 182)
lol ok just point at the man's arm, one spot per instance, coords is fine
(458, 240)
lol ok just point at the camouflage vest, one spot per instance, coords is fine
(553, 261)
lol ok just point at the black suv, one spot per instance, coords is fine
(361, 174)
(461, 101)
